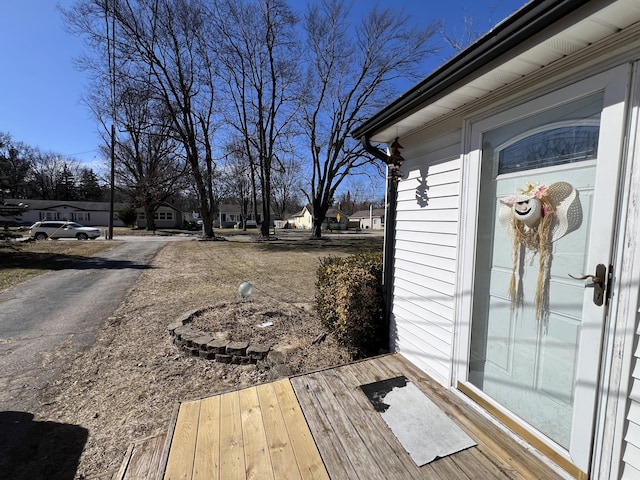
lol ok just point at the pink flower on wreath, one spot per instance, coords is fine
(509, 201)
(535, 190)
(541, 191)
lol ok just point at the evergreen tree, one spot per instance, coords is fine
(65, 186)
(88, 187)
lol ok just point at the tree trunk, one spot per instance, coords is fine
(149, 213)
(319, 214)
(317, 229)
(264, 226)
(206, 212)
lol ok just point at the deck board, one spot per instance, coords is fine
(321, 425)
(183, 445)
(398, 464)
(142, 460)
(232, 464)
(381, 446)
(256, 449)
(280, 449)
(474, 460)
(307, 456)
(207, 461)
(333, 454)
(346, 423)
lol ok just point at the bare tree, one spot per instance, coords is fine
(237, 180)
(458, 40)
(357, 197)
(351, 73)
(149, 167)
(53, 177)
(287, 186)
(258, 59)
(27, 172)
(165, 44)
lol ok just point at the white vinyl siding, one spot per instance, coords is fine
(425, 254)
(629, 295)
(631, 451)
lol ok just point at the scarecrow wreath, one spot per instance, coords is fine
(535, 217)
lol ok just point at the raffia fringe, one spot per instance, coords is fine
(536, 240)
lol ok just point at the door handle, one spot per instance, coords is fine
(598, 283)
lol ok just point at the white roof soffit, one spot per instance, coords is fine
(595, 21)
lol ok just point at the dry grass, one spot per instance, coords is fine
(21, 261)
(125, 387)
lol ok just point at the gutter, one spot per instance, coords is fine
(389, 234)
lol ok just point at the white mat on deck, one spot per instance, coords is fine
(424, 431)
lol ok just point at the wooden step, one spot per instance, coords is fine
(142, 460)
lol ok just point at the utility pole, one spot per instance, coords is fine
(112, 181)
(111, 54)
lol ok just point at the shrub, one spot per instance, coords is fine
(349, 301)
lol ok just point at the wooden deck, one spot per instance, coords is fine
(321, 425)
(142, 460)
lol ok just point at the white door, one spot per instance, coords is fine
(540, 363)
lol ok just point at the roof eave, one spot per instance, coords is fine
(532, 18)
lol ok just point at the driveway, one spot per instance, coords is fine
(46, 322)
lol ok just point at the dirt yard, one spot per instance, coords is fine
(126, 386)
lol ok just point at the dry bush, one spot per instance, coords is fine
(349, 301)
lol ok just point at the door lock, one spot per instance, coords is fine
(598, 282)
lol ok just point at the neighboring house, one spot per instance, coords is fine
(543, 111)
(166, 216)
(94, 213)
(334, 219)
(86, 213)
(230, 217)
(369, 219)
(302, 219)
(11, 213)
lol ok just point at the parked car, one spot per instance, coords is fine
(53, 229)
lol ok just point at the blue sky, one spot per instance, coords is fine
(40, 88)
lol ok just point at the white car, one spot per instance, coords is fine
(61, 229)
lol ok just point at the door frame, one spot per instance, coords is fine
(614, 84)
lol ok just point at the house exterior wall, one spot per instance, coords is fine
(631, 441)
(230, 216)
(367, 220)
(234, 220)
(425, 252)
(97, 214)
(165, 217)
(625, 438)
(305, 220)
(376, 223)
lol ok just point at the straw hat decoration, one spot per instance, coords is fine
(535, 217)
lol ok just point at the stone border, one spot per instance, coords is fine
(199, 344)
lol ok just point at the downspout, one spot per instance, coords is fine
(389, 231)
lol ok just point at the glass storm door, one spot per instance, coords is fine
(540, 363)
